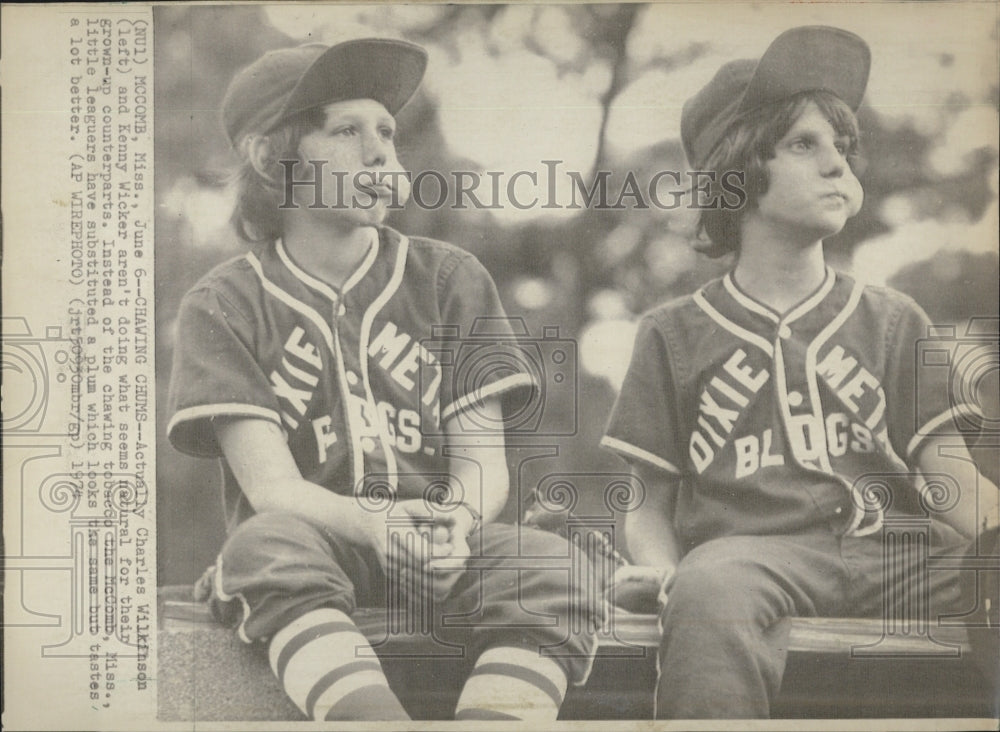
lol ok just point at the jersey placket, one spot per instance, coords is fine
(352, 386)
(344, 379)
(376, 305)
(858, 503)
(795, 388)
(798, 367)
(804, 426)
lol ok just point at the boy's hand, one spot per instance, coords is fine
(431, 553)
(403, 551)
(637, 589)
(450, 548)
(446, 569)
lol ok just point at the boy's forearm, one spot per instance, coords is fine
(652, 542)
(976, 506)
(976, 510)
(259, 457)
(478, 464)
(480, 476)
(342, 514)
(649, 529)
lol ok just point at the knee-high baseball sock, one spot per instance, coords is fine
(512, 683)
(328, 669)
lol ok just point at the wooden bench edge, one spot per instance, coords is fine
(855, 636)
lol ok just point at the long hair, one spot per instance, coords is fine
(257, 217)
(746, 148)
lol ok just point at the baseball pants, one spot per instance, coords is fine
(276, 567)
(723, 647)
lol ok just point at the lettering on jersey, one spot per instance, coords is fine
(720, 405)
(843, 434)
(753, 453)
(856, 387)
(806, 438)
(401, 426)
(810, 438)
(325, 436)
(296, 378)
(402, 356)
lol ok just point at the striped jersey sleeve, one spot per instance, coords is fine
(643, 424)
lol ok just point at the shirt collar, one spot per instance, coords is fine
(806, 305)
(317, 285)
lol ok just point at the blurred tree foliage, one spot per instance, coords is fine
(595, 264)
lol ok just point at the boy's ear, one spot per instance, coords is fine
(260, 153)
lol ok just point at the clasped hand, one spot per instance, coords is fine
(423, 547)
(638, 589)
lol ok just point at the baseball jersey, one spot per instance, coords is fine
(775, 423)
(360, 379)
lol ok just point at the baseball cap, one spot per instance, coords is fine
(286, 81)
(800, 59)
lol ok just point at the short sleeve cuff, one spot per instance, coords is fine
(504, 386)
(633, 453)
(190, 430)
(942, 424)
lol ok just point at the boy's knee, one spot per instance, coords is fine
(277, 539)
(561, 582)
(722, 590)
(263, 529)
(547, 546)
(537, 542)
(282, 564)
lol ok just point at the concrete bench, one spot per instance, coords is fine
(837, 667)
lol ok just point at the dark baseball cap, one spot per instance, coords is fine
(284, 82)
(807, 58)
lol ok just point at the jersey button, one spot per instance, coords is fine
(352, 378)
(784, 331)
(342, 310)
(794, 399)
(838, 510)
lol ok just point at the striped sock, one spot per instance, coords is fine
(513, 683)
(328, 669)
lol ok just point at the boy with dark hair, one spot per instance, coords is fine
(301, 365)
(774, 415)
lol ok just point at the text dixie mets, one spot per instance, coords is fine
(397, 353)
(729, 391)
